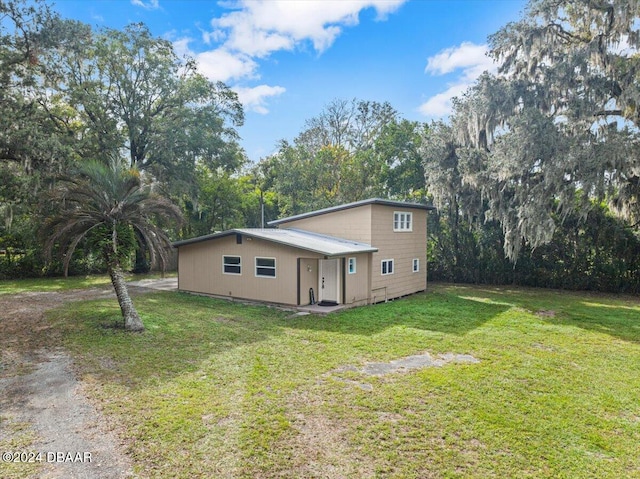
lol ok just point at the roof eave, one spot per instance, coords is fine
(356, 204)
(349, 253)
(222, 234)
(200, 239)
(312, 250)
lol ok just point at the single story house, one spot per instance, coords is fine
(353, 254)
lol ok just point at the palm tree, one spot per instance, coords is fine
(110, 205)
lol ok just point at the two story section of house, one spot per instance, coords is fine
(398, 231)
(353, 254)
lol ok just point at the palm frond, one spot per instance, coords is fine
(97, 194)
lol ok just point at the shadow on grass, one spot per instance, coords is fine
(615, 315)
(602, 317)
(436, 312)
(183, 331)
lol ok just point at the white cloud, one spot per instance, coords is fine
(254, 29)
(218, 64)
(254, 98)
(468, 61)
(260, 27)
(150, 5)
(440, 104)
(468, 56)
(216, 36)
(246, 39)
(222, 65)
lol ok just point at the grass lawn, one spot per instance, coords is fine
(64, 284)
(217, 389)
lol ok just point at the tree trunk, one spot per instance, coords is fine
(142, 264)
(132, 321)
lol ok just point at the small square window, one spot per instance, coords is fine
(351, 266)
(402, 221)
(231, 265)
(266, 267)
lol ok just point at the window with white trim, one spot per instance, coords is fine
(416, 265)
(232, 265)
(402, 221)
(386, 266)
(266, 267)
(351, 265)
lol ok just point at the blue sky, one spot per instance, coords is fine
(287, 59)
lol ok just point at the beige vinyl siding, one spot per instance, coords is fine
(401, 246)
(200, 269)
(356, 288)
(353, 224)
(373, 224)
(308, 279)
(357, 284)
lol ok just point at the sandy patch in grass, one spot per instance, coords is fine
(319, 444)
(409, 363)
(25, 333)
(320, 447)
(51, 401)
(326, 452)
(39, 391)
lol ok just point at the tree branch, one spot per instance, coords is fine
(609, 113)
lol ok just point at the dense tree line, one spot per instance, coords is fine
(351, 151)
(588, 245)
(534, 175)
(548, 147)
(71, 95)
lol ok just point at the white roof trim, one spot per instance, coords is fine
(306, 240)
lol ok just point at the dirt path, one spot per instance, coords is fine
(39, 389)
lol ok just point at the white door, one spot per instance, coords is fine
(328, 280)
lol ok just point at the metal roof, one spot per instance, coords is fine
(355, 204)
(306, 240)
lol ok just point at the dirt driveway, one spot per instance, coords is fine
(41, 397)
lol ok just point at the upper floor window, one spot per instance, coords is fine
(402, 221)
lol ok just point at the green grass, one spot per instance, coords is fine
(61, 284)
(17, 286)
(217, 389)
